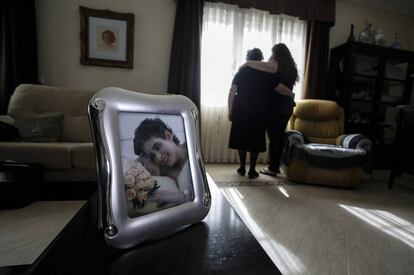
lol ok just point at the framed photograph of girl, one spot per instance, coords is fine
(151, 175)
(107, 38)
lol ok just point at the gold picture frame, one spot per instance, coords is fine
(107, 38)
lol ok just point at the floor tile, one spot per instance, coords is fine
(380, 231)
(255, 205)
(26, 231)
(364, 260)
(323, 230)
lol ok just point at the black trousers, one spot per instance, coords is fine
(276, 126)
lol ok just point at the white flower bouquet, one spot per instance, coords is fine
(139, 184)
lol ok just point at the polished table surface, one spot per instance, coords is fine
(220, 244)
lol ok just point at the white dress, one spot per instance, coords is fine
(184, 182)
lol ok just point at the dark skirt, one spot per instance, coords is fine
(248, 131)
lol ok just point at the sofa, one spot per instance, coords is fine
(54, 132)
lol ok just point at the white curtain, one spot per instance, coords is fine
(228, 32)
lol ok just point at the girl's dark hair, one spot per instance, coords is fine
(287, 67)
(254, 54)
(149, 128)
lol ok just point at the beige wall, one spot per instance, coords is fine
(390, 22)
(58, 27)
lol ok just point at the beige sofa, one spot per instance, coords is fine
(69, 158)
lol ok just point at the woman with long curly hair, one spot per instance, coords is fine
(280, 101)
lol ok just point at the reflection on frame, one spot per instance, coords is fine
(154, 162)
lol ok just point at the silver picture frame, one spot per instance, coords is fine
(148, 184)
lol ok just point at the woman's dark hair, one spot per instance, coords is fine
(254, 54)
(149, 128)
(287, 67)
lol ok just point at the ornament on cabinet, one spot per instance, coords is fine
(366, 35)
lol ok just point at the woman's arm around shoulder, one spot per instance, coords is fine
(284, 90)
(270, 67)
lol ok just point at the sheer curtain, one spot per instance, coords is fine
(228, 32)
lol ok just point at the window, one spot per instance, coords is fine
(228, 32)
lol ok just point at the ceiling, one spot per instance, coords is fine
(405, 7)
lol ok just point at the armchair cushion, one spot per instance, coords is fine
(318, 110)
(321, 120)
(318, 129)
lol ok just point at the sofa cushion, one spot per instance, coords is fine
(83, 155)
(43, 128)
(76, 129)
(55, 155)
(29, 100)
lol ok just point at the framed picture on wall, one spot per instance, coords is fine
(107, 38)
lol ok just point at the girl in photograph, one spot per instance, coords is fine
(162, 154)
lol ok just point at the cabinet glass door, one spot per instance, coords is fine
(396, 70)
(392, 92)
(366, 65)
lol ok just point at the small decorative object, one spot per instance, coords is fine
(379, 37)
(396, 43)
(366, 34)
(351, 37)
(151, 175)
(107, 38)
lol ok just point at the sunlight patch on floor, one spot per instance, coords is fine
(283, 191)
(286, 261)
(385, 221)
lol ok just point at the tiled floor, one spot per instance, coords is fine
(305, 229)
(309, 229)
(26, 232)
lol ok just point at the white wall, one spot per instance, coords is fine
(348, 13)
(58, 28)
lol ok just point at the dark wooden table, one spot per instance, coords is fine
(220, 244)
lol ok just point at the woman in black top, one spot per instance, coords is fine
(247, 110)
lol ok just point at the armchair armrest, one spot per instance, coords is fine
(292, 138)
(7, 119)
(340, 139)
(295, 137)
(355, 141)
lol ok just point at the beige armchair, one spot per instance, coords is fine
(318, 151)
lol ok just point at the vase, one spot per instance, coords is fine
(396, 43)
(351, 37)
